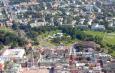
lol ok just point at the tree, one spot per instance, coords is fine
(80, 35)
(10, 38)
(35, 42)
(13, 45)
(98, 39)
(14, 26)
(1, 47)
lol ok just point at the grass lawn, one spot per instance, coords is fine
(95, 33)
(43, 39)
(107, 37)
(113, 54)
(6, 29)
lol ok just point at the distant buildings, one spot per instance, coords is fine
(59, 12)
(83, 14)
(98, 27)
(37, 24)
(84, 60)
(84, 27)
(112, 23)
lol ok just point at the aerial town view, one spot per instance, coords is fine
(57, 36)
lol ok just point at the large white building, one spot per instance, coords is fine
(13, 54)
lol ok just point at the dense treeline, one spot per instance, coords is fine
(80, 34)
(34, 32)
(11, 39)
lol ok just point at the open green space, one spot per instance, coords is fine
(95, 33)
(6, 29)
(108, 38)
(45, 41)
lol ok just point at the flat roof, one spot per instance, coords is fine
(25, 70)
(13, 53)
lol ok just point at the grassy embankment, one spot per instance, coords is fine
(108, 38)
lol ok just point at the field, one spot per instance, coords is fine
(95, 33)
(43, 39)
(5, 29)
(46, 42)
(108, 38)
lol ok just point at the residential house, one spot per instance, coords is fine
(82, 21)
(112, 23)
(90, 21)
(9, 23)
(109, 68)
(83, 27)
(98, 27)
(37, 24)
(13, 68)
